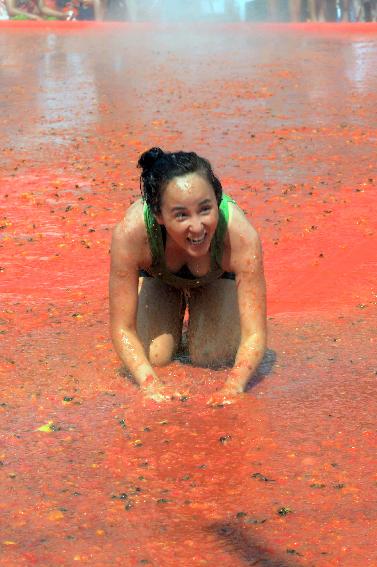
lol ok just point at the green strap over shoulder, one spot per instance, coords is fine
(217, 246)
(154, 235)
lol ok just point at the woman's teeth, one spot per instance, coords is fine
(196, 241)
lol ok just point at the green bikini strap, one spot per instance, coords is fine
(154, 235)
(222, 226)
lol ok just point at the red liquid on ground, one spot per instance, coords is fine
(90, 472)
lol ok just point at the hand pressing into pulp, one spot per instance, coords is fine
(154, 389)
(226, 396)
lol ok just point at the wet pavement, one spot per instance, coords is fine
(90, 473)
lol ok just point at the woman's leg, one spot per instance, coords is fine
(214, 323)
(159, 319)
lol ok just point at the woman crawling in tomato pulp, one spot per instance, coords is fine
(186, 245)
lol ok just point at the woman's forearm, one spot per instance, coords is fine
(131, 352)
(249, 355)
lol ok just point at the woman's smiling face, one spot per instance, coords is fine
(190, 213)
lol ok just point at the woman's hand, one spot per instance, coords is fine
(226, 396)
(154, 389)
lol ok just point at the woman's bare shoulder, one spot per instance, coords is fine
(243, 242)
(240, 228)
(132, 224)
(130, 235)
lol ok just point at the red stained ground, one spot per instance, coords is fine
(285, 477)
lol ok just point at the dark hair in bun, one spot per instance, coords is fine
(148, 159)
(159, 168)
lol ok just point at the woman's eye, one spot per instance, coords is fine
(206, 209)
(180, 215)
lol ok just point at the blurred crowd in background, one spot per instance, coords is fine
(194, 10)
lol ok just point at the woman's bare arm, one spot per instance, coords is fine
(246, 260)
(123, 293)
(251, 289)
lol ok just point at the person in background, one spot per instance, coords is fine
(322, 10)
(3, 11)
(369, 9)
(185, 244)
(32, 10)
(91, 10)
(84, 9)
(295, 10)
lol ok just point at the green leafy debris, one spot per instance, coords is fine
(284, 511)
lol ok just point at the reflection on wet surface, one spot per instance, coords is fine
(92, 473)
(78, 84)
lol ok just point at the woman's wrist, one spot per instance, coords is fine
(149, 380)
(234, 386)
(145, 375)
(238, 378)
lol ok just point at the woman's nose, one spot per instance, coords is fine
(196, 225)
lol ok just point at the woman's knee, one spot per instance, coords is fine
(162, 349)
(159, 320)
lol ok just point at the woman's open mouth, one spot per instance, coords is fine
(197, 241)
